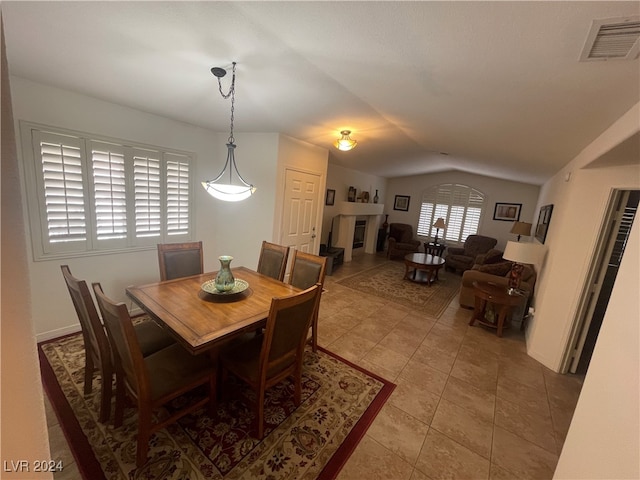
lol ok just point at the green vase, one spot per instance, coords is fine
(224, 280)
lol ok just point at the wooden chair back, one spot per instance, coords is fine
(306, 270)
(177, 260)
(128, 358)
(273, 260)
(96, 343)
(279, 352)
(285, 334)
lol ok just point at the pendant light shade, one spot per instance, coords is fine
(225, 187)
(345, 143)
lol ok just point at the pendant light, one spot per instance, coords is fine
(345, 143)
(224, 187)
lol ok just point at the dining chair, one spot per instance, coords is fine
(155, 380)
(177, 260)
(306, 270)
(96, 344)
(273, 260)
(266, 360)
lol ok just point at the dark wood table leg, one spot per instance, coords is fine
(478, 310)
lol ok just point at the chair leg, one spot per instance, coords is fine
(213, 393)
(260, 411)
(105, 394)
(297, 394)
(144, 434)
(314, 332)
(120, 394)
(88, 371)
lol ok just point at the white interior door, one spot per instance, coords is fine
(300, 216)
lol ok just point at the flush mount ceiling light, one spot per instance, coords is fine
(345, 143)
(224, 187)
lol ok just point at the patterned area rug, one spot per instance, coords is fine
(387, 281)
(314, 440)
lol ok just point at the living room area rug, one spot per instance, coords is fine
(387, 281)
(339, 402)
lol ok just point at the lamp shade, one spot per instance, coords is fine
(345, 143)
(521, 252)
(521, 228)
(440, 223)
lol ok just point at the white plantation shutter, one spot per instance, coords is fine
(178, 186)
(110, 201)
(89, 195)
(147, 193)
(62, 187)
(460, 206)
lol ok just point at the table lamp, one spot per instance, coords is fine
(521, 228)
(439, 224)
(520, 253)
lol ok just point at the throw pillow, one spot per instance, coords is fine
(499, 269)
(493, 256)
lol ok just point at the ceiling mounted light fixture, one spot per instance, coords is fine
(219, 187)
(345, 143)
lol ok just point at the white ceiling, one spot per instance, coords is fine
(495, 85)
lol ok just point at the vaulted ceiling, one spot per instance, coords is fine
(494, 88)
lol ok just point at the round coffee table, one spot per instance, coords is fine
(422, 267)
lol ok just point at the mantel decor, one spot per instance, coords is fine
(507, 212)
(544, 218)
(401, 203)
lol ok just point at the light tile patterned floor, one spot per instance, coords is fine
(468, 405)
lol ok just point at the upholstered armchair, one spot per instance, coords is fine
(463, 258)
(401, 240)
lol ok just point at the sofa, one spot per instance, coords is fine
(401, 241)
(463, 258)
(497, 273)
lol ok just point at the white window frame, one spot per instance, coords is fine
(461, 206)
(170, 194)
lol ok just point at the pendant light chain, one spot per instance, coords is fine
(232, 94)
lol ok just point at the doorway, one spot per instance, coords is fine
(615, 232)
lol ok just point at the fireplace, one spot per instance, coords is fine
(358, 233)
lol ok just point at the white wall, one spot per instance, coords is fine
(340, 179)
(225, 228)
(24, 431)
(603, 440)
(496, 190)
(579, 207)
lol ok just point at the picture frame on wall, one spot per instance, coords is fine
(507, 212)
(544, 218)
(330, 199)
(401, 203)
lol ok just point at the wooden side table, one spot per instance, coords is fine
(435, 249)
(499, 296)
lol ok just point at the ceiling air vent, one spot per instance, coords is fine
(612, 39)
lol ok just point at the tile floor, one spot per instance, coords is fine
(468, 405)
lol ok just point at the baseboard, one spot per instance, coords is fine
(58, 332)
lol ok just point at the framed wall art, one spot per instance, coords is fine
(401, 203)
(507, 212)
(544, 218)
(330, 199)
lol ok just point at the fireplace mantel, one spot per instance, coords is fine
(348, 211)
(360, 209)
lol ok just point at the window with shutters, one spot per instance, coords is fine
(92, 195)
(460, 206)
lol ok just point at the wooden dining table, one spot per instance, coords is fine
(203, 321)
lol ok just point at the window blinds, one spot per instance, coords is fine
(460, 206)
